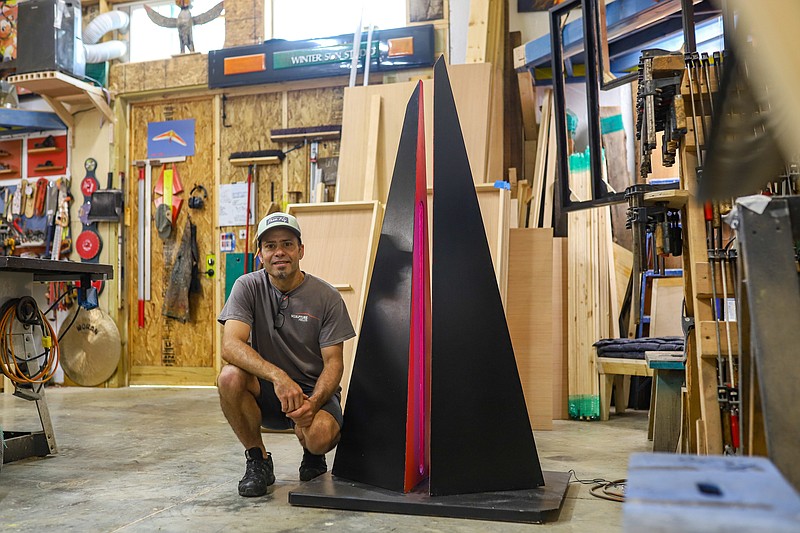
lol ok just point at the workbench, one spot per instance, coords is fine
(18, 276)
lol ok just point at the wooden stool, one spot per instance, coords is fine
(617, 371)
(665, 405)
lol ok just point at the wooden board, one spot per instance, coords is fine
(549, 190)
(619, 177)
(340, 241)
(623, 264)
(244, 23)
(164, 343)
(543, 148)
(307, 109)
(590, 267)
(703, 392)
(530, 318)
(527, 96)
(560, 330)
(471, 92)
(665, 494)
(708, 338)
(665, 307)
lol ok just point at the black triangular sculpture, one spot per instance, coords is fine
(372, 448)
(481, 438)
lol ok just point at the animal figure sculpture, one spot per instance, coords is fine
(184, 21)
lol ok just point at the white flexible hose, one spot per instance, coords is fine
(97, 53)
(102, 24)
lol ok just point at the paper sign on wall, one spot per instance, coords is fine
(232, 205)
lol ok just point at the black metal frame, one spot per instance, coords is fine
(593, 12)
(603, 54)
(600, 193)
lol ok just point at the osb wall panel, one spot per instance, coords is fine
(244, 22)
(165, 342)
(308, 109)
(188, 70)
(248, 122)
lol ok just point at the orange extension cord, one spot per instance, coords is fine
(10, 364)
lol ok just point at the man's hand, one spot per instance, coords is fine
(290, 394)
(303, 416)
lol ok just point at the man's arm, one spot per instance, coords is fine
(327, 384)
(237, 352)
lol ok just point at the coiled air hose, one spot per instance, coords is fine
(15, 366)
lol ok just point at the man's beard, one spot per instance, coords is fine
(281, 275)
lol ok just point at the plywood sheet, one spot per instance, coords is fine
(305, 109)
(163, 342)
(665, 307)
(340, 240)
(590, 267)
(619, 176)
(471, 92)
(560, 381)
(247, 124)
(530, 318)
(623, 264)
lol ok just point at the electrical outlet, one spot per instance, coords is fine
(242, 234)
(211, 265)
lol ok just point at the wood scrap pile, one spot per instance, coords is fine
(592, 291)
(536, 197)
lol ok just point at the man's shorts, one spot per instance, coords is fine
(272, 417)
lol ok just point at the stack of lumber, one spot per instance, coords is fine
(372, 121)
(592, 291)
(535, 193)
(487, 32)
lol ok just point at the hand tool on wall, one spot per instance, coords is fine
(50, 211)
(145, 223)
(250, 171)
(61, 217)
(252, 160)
(148, 217)
(88, 244)
(140, 244)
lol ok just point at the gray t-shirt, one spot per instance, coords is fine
(315, 316)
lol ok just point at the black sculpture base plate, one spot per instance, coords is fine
(529, 506)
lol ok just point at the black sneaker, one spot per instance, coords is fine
(312, 466)
(259, 474)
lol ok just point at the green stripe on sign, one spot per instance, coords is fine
(310, 57)
(611, 124)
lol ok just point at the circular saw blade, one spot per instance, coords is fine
(91, 349)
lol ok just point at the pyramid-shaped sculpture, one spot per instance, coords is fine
(435, 405)
(384, 438)
(481, 438)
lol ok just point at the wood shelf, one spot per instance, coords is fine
(47, 169)
(7, 171)
(45, 150)
(674, 198)
(292, 135)
(244, 162)
(63, 92)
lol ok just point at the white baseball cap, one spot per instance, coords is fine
(277, 220)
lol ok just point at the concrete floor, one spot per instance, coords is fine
(162, 459)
